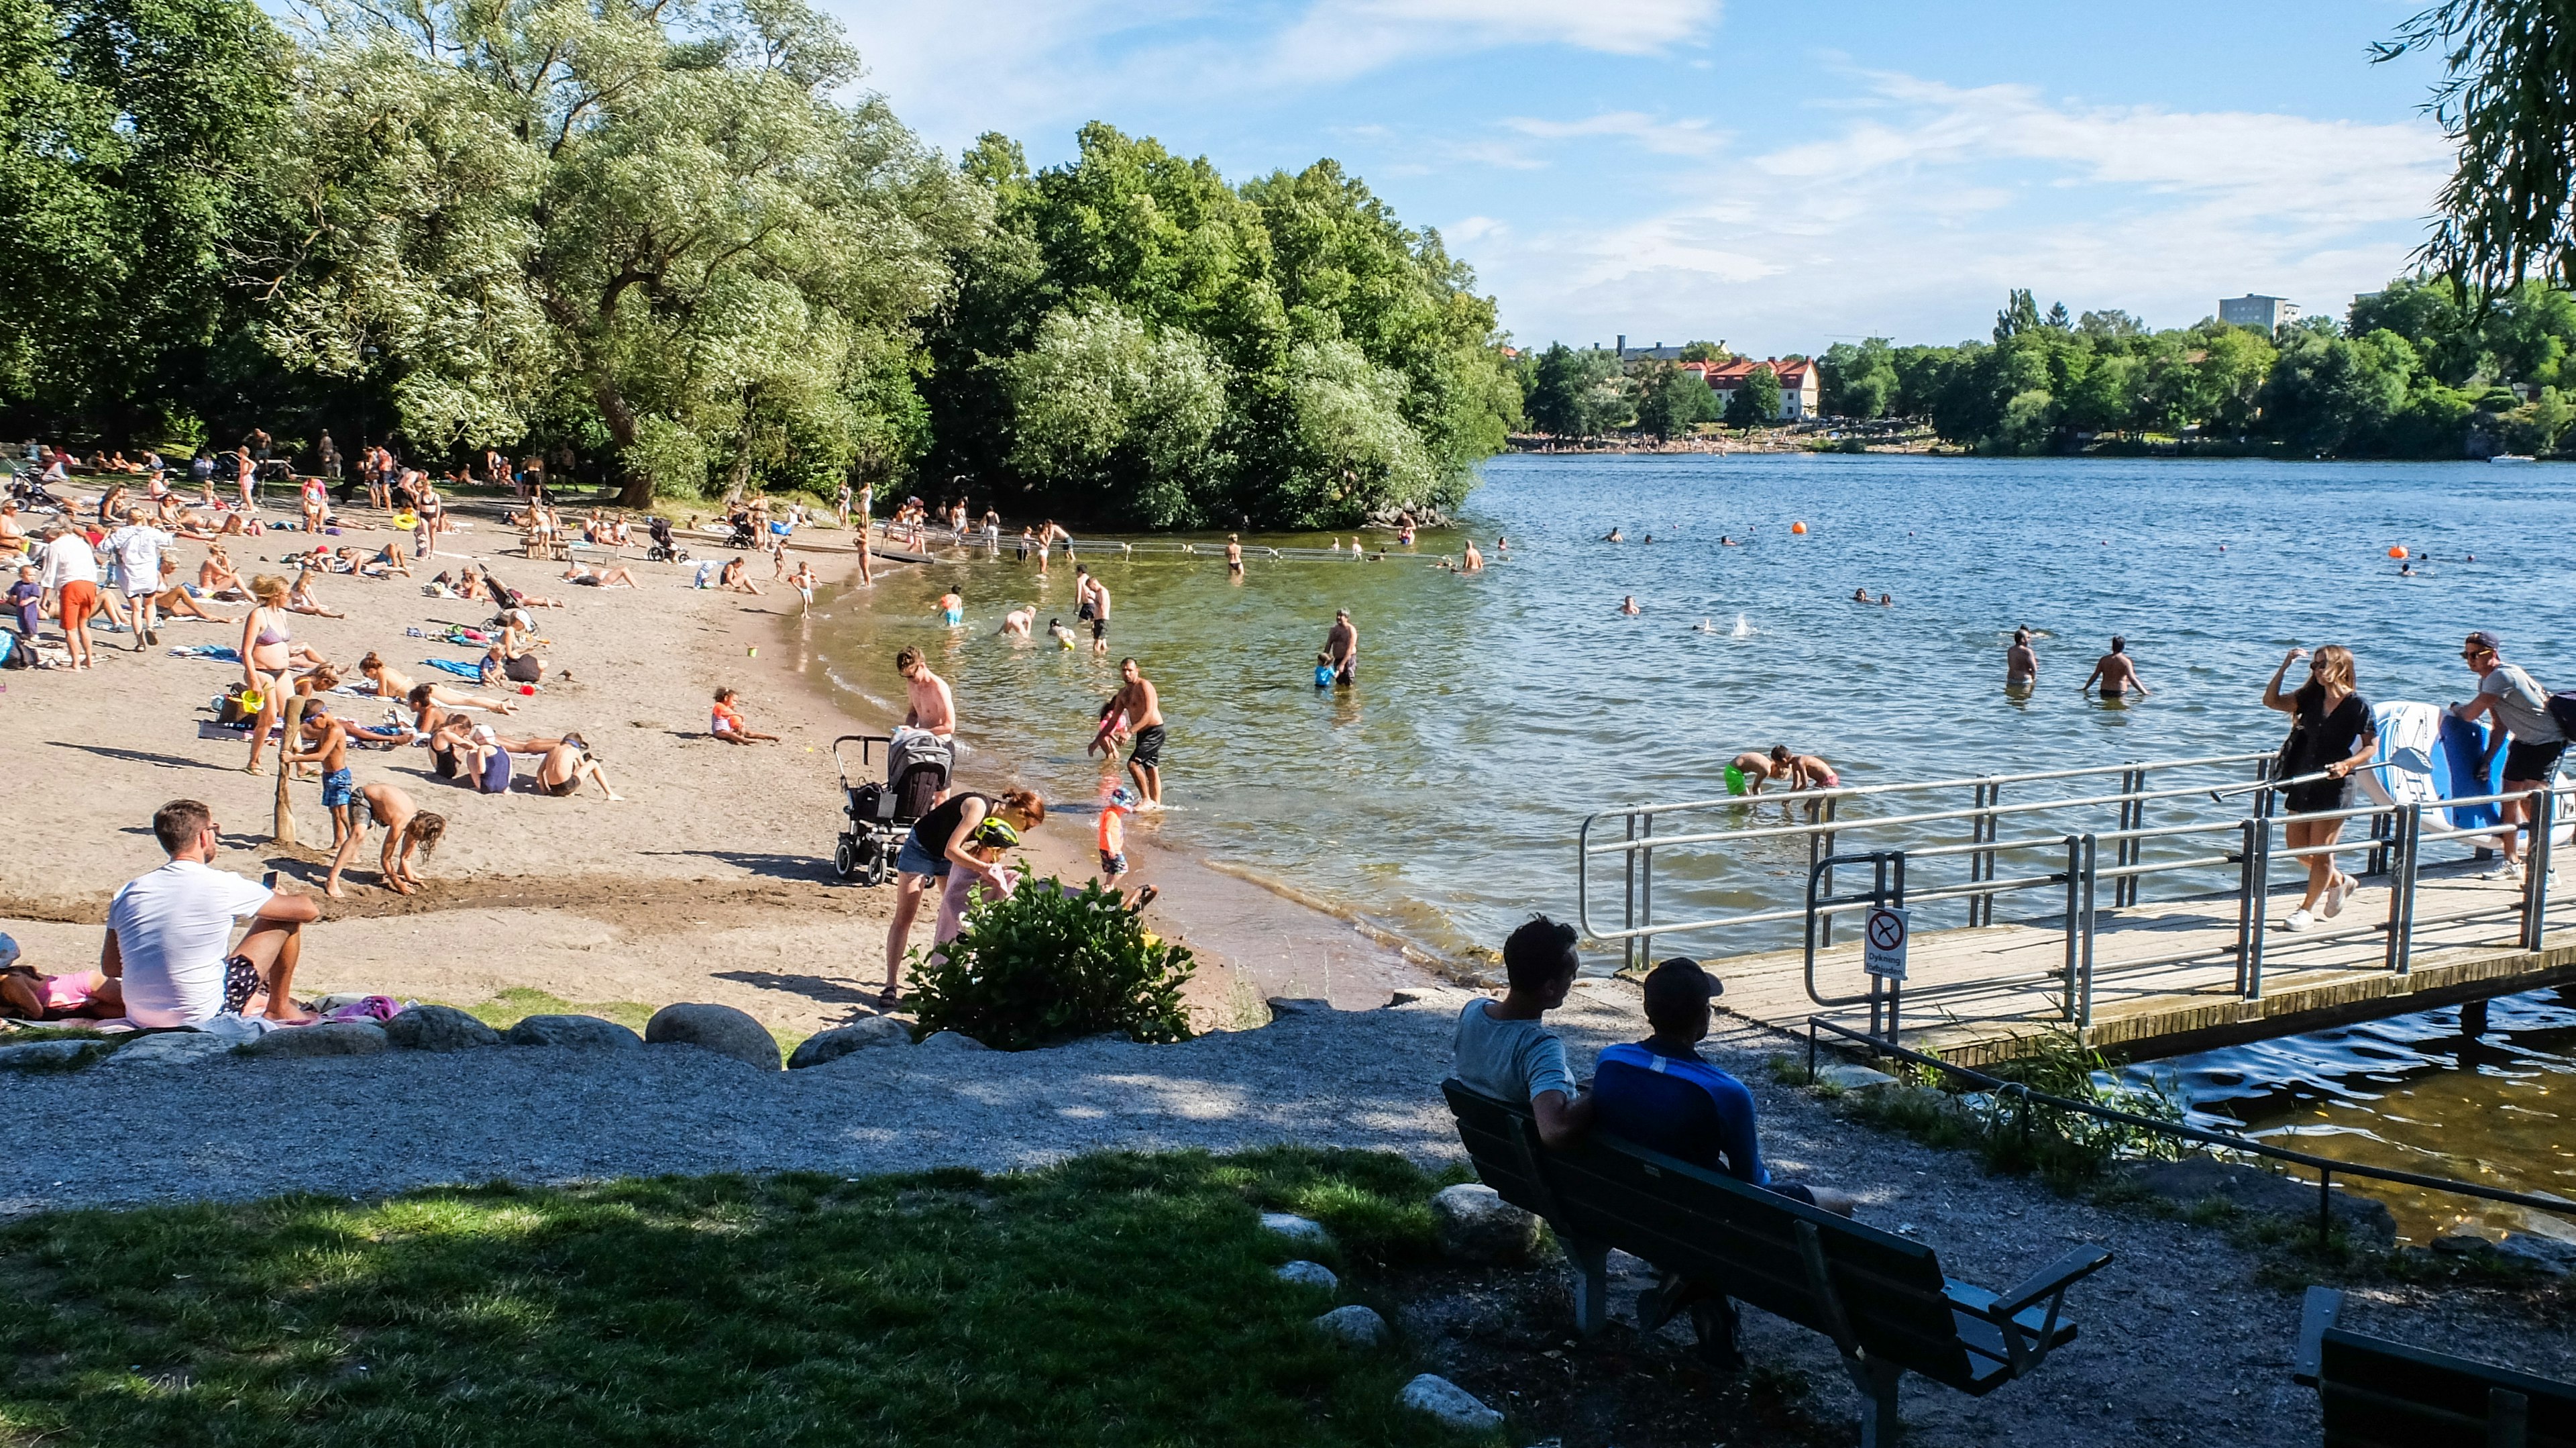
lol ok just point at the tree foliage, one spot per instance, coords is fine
(1047, 965)
(2507, 101)
(1756, 402)
(1335, 363)
(1578, 394)
(649, 224)
(1673, 399)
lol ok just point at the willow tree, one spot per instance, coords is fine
(645, 222)
(2507, 100)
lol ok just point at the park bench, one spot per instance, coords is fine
(2373, 1392)
(1881, 1299)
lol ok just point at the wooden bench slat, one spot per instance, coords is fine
(2373, 1390)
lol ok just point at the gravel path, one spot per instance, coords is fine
(2180, 1345)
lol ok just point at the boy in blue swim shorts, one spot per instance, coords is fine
(326, 742)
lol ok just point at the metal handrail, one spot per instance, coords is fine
(2325, 1167)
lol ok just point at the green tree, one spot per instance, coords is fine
(2508, 103)
(133, 128)
(656, 225)
(1706, 352)
(1099, 399)
(1757, 399)
(1673, 399)
(2020, 314)
(1578, 394)
(1858, 381)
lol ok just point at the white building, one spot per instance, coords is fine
(2266, 314)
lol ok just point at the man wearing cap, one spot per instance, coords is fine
(2520, 708)
(1659, 1094)
(1503, 1050)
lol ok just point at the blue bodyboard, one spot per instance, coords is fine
(2456, 775)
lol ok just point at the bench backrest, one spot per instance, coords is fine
(1742, 1240)
(2374, 1392)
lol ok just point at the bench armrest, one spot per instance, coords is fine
(2324, 1304)
(2052, 1279)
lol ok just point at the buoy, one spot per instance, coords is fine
(1797, 527)
(2397, 552)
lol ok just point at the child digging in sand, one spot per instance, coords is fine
(407, 828)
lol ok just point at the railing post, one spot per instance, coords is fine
(1825, 839)
(2258, 886)
(2133, 816)
(2074, 916)
(2084, 1000)
(1628, 919)
(2405, 830)
(1646, 897)
(2543, 809)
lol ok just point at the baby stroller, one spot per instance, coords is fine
(742, 535)
(663, 548)
(881, 813)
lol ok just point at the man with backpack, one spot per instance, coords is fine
(2525, 711)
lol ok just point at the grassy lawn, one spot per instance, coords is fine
(1114, 1299)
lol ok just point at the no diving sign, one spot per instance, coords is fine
(1882, 951)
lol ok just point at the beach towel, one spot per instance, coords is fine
(451, 666)
(372, 1008)
(218, 653)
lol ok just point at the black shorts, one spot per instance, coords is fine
(1149, 747)
(241, 982)
(1100, 628)
(2533, 763)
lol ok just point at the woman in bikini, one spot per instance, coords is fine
(393, 683)
(215, 576)
(300, 598)
(269, 653)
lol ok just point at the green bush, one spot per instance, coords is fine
(1049, 965)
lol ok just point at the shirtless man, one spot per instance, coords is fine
(1093, 596)
(1475, 561)
(1137, 708)
(1628, 606)
(931, 706)
(1017, 622)
(1342, 648)
(2021, 661)
(327, 743)
(406, 829)
(1234, 557)
(1753, 767)
(2117, 671)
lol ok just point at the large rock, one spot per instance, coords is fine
(45, 1055)
(2553, 1255)
(1848, 1077)
(1309, 1274)
(585, 1032)
(168, 1048)
(329, 1038)
(2250, 1188)
(1474, 1224)
(1450, 1403)
(721, 1029)
(1354, 1325)
(438, 1028)
(951, 1041)
(840, 1041)
(1300, 1006)
(1295, 1228)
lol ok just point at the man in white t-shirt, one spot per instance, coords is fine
(166, 934)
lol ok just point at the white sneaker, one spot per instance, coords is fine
(2299, 920)
(2338, 889)
(2508, 872)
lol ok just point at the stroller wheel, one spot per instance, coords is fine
(845, 858)
(873, 871)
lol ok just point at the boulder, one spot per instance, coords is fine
(2250, 1188)
(1299, 1006)
(1354, 1326)
(840, 1041)
(2554, 1256)
(1309, 1274)
(951, 1041)
(45, 1055)
(329, 1038)
(721, 1029)
(438, 1028)
(1474, 1224)
(169, 1048)
(1848, 1077)
(585, 1032)
(1450, 1403)
(1295, 1228)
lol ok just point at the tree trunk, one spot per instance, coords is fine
(281, 828)
(637, 491)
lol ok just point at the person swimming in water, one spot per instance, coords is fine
(2021, 661)
(1057, 631)
(2117, 671)
(1860, 595)
(1628, 606)
(1704, 626)
(952, 609)
(1803, 771)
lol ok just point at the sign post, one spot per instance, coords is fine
(1882, 954)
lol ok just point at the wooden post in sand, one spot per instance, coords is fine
(281, 829)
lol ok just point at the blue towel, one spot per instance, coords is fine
(462, 671)
(217, 652)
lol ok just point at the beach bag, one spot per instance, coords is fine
(2562, 707)
(12, 655)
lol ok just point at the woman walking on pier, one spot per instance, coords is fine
(2331, 735)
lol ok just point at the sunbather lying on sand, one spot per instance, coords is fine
(406, 828)
(618, 577)
(393, 683)
(29, 995)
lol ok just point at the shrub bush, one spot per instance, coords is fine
(1049, 965)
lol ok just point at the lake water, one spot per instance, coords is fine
(1439, 799)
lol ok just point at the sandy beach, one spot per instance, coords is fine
(710, 881)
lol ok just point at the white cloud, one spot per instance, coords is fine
(1912, 213)
(1342, 37)
(1665, 138)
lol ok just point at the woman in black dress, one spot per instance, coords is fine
(2331, 734)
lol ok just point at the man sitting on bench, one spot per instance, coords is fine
(1503, 1051)
(1659, 1094)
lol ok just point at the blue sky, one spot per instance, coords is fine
(1779, 176)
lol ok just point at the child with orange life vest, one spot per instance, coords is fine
(1113, 832)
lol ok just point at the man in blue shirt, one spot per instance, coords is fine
(1659, 1094)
